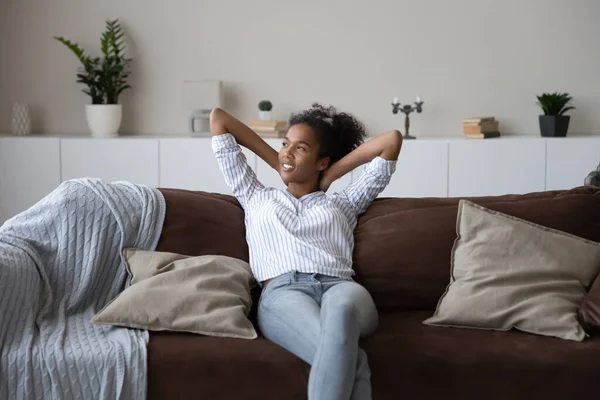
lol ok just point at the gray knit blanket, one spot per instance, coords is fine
(60, 263)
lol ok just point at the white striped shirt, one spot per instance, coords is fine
(312, 234)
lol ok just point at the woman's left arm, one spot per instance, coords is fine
(387, 146)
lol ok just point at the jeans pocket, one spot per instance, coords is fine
(277, 283)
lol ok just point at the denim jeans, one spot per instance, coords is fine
(320, 319)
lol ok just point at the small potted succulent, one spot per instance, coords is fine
(265, 107)
(554, 123)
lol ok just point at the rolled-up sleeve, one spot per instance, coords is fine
(239, 177)
(374, 179)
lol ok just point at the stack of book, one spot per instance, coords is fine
(481, 128)
(269, 129)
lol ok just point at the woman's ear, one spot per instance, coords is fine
(323, 163)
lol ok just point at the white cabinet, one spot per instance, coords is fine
(190, 164)
(134, 160)
(421, 170)
(32, 166)
(269, 177)
(496, 166)
(569, 161)
(29, 170)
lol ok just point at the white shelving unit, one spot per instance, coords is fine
(29, 170)
(31, 167)
(421, 170)
(569, 161)
(134, 160)
(190, 164)
(488, 167)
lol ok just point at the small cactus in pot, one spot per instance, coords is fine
(265, 107)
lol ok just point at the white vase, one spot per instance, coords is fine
(264, 115)
(104, 120)
(21, 121)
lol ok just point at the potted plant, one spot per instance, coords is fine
(554, 123)
(265, 108)
(105, 78)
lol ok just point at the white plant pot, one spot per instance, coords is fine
(264, 115)
(104, 120)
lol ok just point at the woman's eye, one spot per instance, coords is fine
(283, 144)
(300, 148)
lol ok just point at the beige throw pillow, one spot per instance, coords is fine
(208, 295)
(507, 272)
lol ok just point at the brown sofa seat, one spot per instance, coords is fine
(187, 366)
(410, 360)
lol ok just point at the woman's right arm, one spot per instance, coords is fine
(222, 123)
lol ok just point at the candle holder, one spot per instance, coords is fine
(407, 109)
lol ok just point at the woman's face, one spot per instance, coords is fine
(299, 156)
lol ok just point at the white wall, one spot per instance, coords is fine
(464, 57)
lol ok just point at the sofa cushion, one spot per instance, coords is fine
(184, 366)
(208, 295)
(403, 246)
(408, 360)
(415, 361)
(507, 272)
(200, 223)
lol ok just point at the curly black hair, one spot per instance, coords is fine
(338, 133)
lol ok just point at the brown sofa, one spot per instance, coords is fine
(402, 256)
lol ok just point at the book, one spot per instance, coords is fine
(485, 135)
(271, 134)
(266, 128)
(478, 120)
(268, 124)
(271, 129)
(483, 128)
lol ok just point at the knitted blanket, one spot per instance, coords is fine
(60, 263)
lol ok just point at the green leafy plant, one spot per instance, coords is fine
(105, 77)
(555, 103)
(265, 105)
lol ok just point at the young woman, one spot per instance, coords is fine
(301, 239)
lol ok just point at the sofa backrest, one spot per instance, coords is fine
(199, 223)
(403, 246)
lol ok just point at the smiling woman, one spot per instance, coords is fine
(301, 239)
(299, 157)
(317, 139)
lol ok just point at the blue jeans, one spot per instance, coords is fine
(320, 319)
